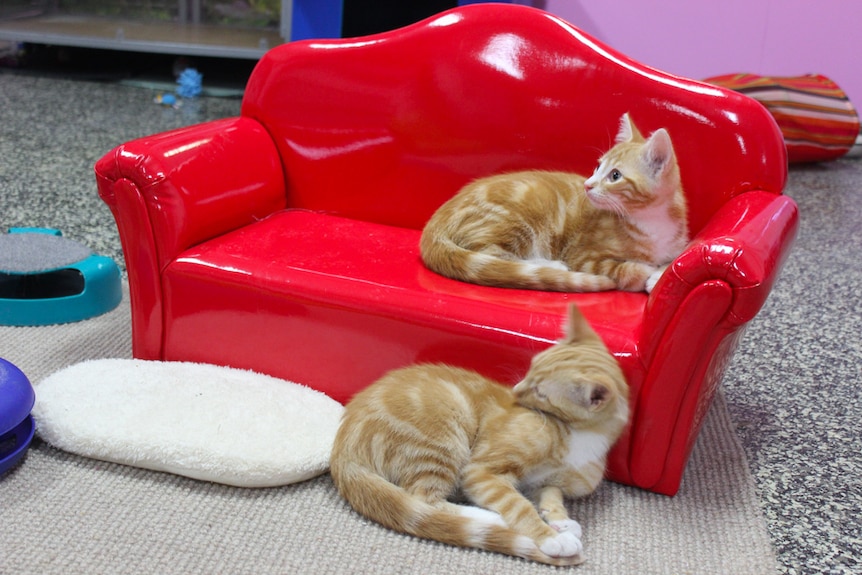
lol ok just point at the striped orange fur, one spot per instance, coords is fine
(422, 436)
(558, 231)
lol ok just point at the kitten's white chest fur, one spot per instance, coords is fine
(663, 231)
(586, 447)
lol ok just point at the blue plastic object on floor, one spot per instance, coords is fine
(16, 424)
(47, 279)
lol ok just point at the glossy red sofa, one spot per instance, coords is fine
(285, 240)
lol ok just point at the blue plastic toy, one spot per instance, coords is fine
(47, 279)
(167, 100)
(16, 423)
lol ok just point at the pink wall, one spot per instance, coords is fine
(701, 39)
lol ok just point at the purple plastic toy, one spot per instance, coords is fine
(16, 424)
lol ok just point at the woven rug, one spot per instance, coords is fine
(66, 514)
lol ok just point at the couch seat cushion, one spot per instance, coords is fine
(307, 263)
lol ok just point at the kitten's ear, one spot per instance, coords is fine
(658, 151)
(598, 396)
(577, 327)
(628, 131)
(589, 396)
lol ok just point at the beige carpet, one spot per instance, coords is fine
(65, 514)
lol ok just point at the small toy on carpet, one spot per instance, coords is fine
(167, 100)
(190, 83)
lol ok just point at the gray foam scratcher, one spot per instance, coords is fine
(46, 278)
(35, 252)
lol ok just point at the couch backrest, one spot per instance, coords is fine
(387, 127)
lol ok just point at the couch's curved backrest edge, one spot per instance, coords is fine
(387, 127)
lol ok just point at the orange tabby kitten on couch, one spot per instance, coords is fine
(557, 231)
(423, 435)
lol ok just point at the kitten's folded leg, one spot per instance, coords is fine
(492, 492)
(553, 510)
(633, 276)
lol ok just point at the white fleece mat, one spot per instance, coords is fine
(202, 421)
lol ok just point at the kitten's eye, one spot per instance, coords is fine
(615, 175)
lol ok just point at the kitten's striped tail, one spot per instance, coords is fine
(388, 504)
(451, 260)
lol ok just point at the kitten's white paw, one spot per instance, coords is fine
(653, 279)
(565, 544)
(569, 525)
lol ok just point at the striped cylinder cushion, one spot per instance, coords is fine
(817, 119)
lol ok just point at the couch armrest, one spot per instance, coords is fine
(196, 183)
(692, 325)
(173, 190)
(743, 246)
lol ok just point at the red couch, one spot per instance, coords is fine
(285, 240)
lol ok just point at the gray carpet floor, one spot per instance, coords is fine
(792, 390)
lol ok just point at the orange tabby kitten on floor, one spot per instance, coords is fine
(423, 435)
(557, 231)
